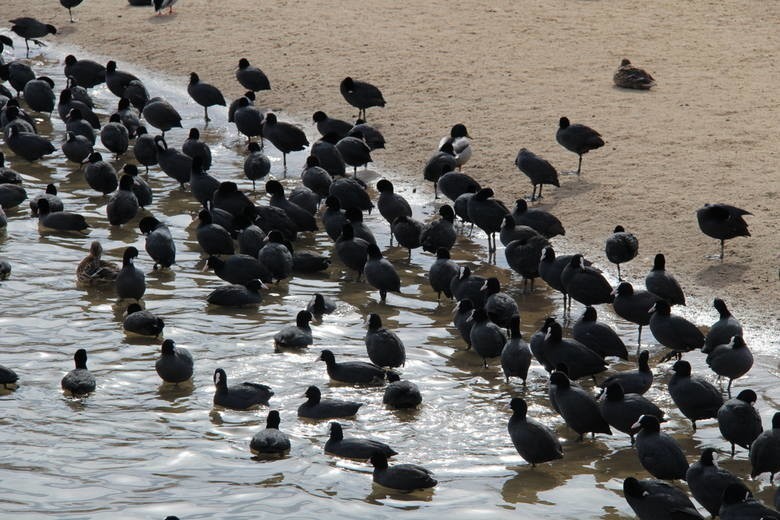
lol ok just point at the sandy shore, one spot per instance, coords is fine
(508, 70)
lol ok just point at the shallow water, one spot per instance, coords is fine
(148, 450)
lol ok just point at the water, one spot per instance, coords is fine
(149, 450)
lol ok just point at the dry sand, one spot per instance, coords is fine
(508, 70)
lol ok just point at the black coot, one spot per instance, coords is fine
(250, 77)
(515, 356)
(722, 330)
(440, 232)
(707, 481)
(159, 242)
(384, 347)
(659, 282)
(284, 136)
(143, 322)
(80, 380)
(658, 452)
(732, 360)
(298, 335)
(577, 407)
(722, 222)
(585, 284)
(317, 408)
(488, 214)
(404, 477)
(577, 138)
(695, 397)
(621, 247)
(380, 273)
(130, 281)
(270, 441)
(352, 372)
(487, 338)
(204, 94)
(622, 410)
(739, 421)
(765, 451)
(277, 255)
(634, 306)
(320, 305)
(598, 336)
(543, 222)
(534, 441)
(354, 447)
(401, 394)
(352, 251)
(524, 256)
(237, 295)
(580, 360)
(674, 332)
(441, 273)
(241, 396)
(636, 381)
(361, 95)
(739, 504)
(655, 499)
(175, 364)
(539, 170)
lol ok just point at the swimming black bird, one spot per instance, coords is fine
(250, 77)
(534, 441)
(722, 222)
(404, 477)
(8, 377)
(621, 247)
(317, 408)
(296, 336)
(159, 242)
(237, 295)
(361, 95)
(739, 421)
(55, 203)
(143, 322)
(145, 149)
(59, 220)
(270, 440)
(629, 76)
(539, 170)
(353, 372)
(353, 447)
(320, 305)
(30, 29)
(204, 94)
(401, 394)
(577, 138)
(175, 364)
(130, 281)
(80, 380)
(696, 397)
(241, 396)
(659, 282)
(239, 269)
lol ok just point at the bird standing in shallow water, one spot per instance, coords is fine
(629, 76)
(577, 138)
(621, 247)
(30, 29)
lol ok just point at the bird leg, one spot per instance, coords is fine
(620, 279)
(71, 16)
(206, 114)
(579, 165)
(721, 249)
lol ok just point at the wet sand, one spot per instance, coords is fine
(509, 70)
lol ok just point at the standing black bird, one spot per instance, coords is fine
(534, 441)
(380, 273)
(598, 336)
(674, 332)
(585, 284)
(70, 4)
(251, 78)
(539, 170)
(441, 273)
(634, 306)
(694, 396)
(723, 330)
(577, 138)
(488, 214)
(160, 114)
(204, 94)
(543, 222)
(739, 504)
(284, 136)
(622, 409)
(722, 222)
(765, 451)
(487, 338)
(577, 407)
(658, 452)
(515, 356)
(30, 29)
(621, 247)
(655, 500)
(440, 163)
(707, 481)
(361, 95)
(659, 282)
(739, 421)
(732, 360)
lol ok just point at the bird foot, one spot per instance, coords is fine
(39, 43)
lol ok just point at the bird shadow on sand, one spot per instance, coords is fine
(722, 275)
